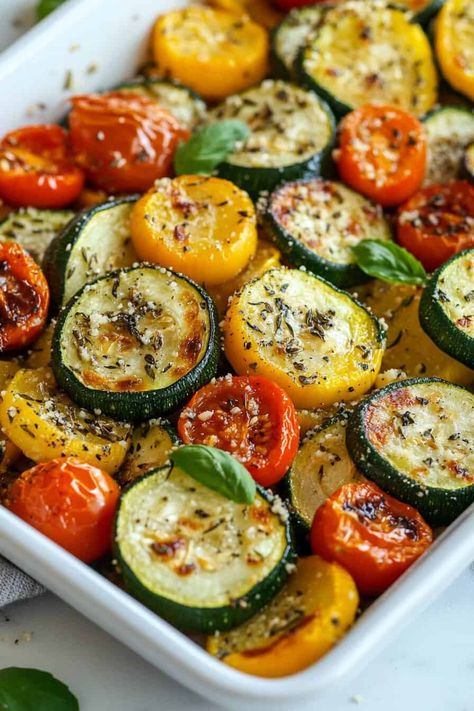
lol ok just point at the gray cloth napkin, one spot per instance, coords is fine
(16, 585)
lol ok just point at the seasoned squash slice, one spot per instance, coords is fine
(45, 424)
(314, 340)
(216, 53)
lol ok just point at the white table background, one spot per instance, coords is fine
(429, 667)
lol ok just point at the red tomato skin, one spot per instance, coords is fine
(444, 231)
(51, 180)
(267, 469)
(123, 141)
(24, 298)
(70, 502)
(374, 558)
(353, 165)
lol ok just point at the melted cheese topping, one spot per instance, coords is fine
(185, 107)
(449, 133)
(187, 543)
(328, 218)
(426, 432)
(321, 466)
(294, 32)
(34, 229)
(141, 329)
(455, 293)
(104, 244)
(288, 125)
(368, 53)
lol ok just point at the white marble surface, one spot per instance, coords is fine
(429, 667)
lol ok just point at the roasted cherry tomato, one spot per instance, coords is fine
(24, 297)
(71, 502)
(123, 141)
(438, 222)
(382, 153)
(372, 535)
(250, 417)
(35, 169)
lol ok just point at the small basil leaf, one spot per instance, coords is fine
(44, 7)
(208, 147)
(217, 470)
(388, 261)
(23, 689)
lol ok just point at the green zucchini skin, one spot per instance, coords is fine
(340, 108)
(437, 505)
(206, 619)
(342, 275)
(258, 180)
(57, 259)
(437, 324)
(139, 405)
(306, 19)
(255, 178)
(426, 14)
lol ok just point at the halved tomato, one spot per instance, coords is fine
(382, 153)
(437, 222)
(372, 535)
(123, 141)
(24, 298)
(35, 169)
(250, 417)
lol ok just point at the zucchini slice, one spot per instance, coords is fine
(34, 229)
(317, 342)
(447, 307)
(321, 466)
(415, 439)
(469, 162)
(307, 617)
(136, 343)
(151, 445)
(292, 134)
(196, 558)
(409, 348)
(292, 34)
(44, 423)
(96, 242)
(316, 223)
(449, 130)
(185, 105)
(365, 52)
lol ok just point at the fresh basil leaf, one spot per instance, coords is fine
(44, 7)
(208, 147)
(388, 261)
(23, 689)
(217, 470)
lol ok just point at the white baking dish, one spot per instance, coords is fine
(96, 43)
